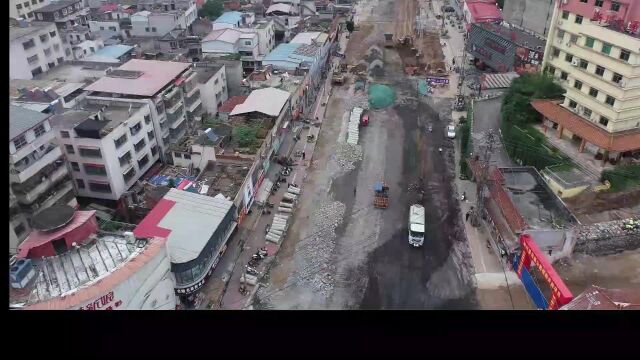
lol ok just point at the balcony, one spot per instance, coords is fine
(174, 117)
(61, 194)
(173, 107)
(28, 196)
(26, 169)
(193, 102)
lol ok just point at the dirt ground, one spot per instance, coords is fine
(590, 208)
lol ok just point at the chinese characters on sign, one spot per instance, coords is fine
(102, 302)
(437, 80)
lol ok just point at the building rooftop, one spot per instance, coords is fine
(515, 35)
(231, 103)
(568, 177)
(230, 17)
(42, 91)
(82, 118)
(188, 220)
(268, 101)
(203, 74)
(293, 52)
(483, 10)
(16, 32)
(534, 200)
(58, 5)
(598, 298)
(309, 38)
(112, 51)
(74, 73)
(153, 76)
(21, 120)
(225, 177)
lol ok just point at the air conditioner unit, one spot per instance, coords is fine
(574, 62)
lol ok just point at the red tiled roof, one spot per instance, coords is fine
(597, 298)
(620, 141)
(483, 11)
(231, 103)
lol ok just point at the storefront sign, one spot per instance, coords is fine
(248, 195)
(437, 80)
(103, 303)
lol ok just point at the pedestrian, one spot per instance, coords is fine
(354, 191)
(466, 217)
(303, 155)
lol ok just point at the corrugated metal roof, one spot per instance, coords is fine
(306, 37)
(187, 219)
(113, 51)
(498, 81)
(287, 52)
(22, 119)
(268, 101)
(230, 17)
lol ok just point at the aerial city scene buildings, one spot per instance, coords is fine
(324, 154)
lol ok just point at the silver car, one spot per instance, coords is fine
(451, 131)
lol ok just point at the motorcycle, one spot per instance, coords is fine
(253, 263)
(266, 211)
(243, 290)
(250, 270)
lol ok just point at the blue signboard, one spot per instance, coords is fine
(437, 80)
(532, 288)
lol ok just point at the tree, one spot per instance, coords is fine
(350, 26)
(211, 9)
(245, 135)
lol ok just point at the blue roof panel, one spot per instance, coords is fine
(113, 51)
(285, 52)
(230, 17)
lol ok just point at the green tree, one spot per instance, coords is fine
(350, 26)
(245, 135)
(211, 9)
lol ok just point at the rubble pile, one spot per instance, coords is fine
(314, 256)
(347, 154)
(605, 230)
(606, 238)
(358, 100)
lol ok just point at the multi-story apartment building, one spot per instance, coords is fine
(211, 81)
(158, 18)
(593, 49)
(24, 8)
(108, 144)
(38, 176)
(72, 20)
(169, 88)
(34, 48)
(236, 33)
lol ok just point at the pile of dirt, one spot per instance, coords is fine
(381, 96)
(376, 68)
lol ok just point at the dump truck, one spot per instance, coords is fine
(416, 225)
(337, 77)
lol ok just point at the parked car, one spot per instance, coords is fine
(451, 131)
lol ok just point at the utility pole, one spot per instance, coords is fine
(481, 182)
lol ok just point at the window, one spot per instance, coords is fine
(135, 129)
(215, 82)
(606, 48)
(28, 44)
(610, 100)
(599, 3)
(92, 153)
(565, 14)
(146, 29)
(154, 150)
(589, 42)
(32, 59)
(603, 121)
(153, 29)
(92, 49)
(572, 104)
(577, 84)
(143, 161)
(564, 75)
(69, 149)
(560, 34)
(247, 42)
(125, 159)
(34, 2)
(18, 6)
(47, 51)
(75, 166)
(177, 154)
(60, 60)
(617, 78)
(140, 145)
(573, 39)
(187, 156)
(39, 130)
(44, 38)
(64, 12)
(67, 52)
(550, 70)
(129, 174)
(39, 16)
(599, 70)
(593, 92)
(578, 19)
(80, 183)
(147, 119)
(101, 27)
(151, 135)
(568, 58)
(56, 47)
(64, 134)
(583, 64)
(555, 52)
(586, 112)
(584, 1)
(30, 14)
(99, 187)
(119, 141)
(625, 55)
(37, 71)
(19, 142)
(94, 169)
(615, 6)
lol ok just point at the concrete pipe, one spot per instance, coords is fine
(290, 196)
(284, 209)
(280, 227)
(294, 190)
(284, 204)
(273, 239)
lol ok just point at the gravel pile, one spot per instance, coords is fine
(346, 155)
(604, 230)
(314, 257)
(359, 99)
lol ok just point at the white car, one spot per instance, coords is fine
(451, 131)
